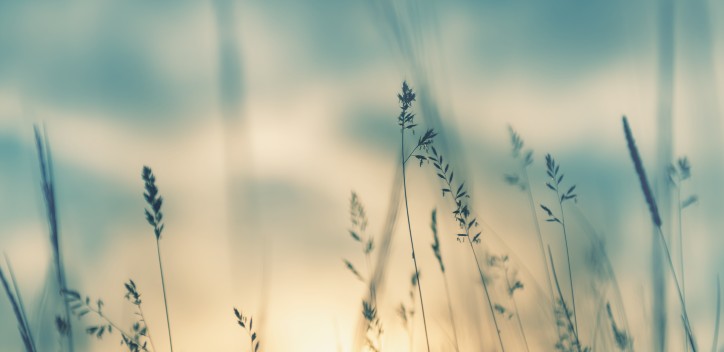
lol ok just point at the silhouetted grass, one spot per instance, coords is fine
(467, 223)
(656, 220)
(610, 314)
(247, 323)
(562, 195)
(406, 121)
(154, 216)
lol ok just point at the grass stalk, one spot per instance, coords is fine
(412, 242)
(534, 217)
(155, 219)
(163, 287)
(715, 340)
(462, 217)
(15, 299)
(487, 293)
(438, 254)
(568, 258)
(526, 159)
(656, 220)
(511, 292)
(571, 328)
(48, 189)
(554, 184)
(406, 122)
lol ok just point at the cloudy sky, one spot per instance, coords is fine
(260, 117)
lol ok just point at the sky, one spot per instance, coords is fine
(259, 118)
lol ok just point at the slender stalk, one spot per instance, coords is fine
(517, 312)
(412, 243)
(20, 316)
(534, 216)
(487, 293)
(148, 331)
(563, 302)
(163, 286)
(568, 257)
(21, 305)
(48, 188)
(450, 311)
(687, 324)
(715, 341)
(154, 216)
(656, 220)
(438, 254)
(681, 251)
(462, 217)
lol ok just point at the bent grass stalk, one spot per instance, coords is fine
(656, 220)
(406, 122)
(155, 219)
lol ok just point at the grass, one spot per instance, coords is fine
(462, 215)
(495, 273)
(438, 255)
(406, 121)
(656, 220)
(13, 294)
(554, 184)
(45, 160)
(154, 216)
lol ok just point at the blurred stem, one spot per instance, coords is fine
(409, 228)
(534, 216)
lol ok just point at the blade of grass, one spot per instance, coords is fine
(48, 189)
(20, 316)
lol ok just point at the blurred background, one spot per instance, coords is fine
(260, 117)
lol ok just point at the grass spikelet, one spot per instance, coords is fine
(247, 323)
